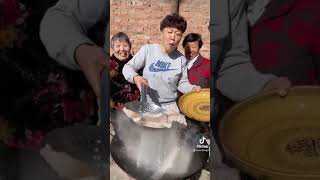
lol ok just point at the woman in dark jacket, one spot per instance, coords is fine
(121, 90)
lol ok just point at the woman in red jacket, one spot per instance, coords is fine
(198, 71)
(198, 66)
(285, 40)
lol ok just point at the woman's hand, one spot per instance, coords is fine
(139, 80)
(92, 59)
(197, 88)
(281, 85)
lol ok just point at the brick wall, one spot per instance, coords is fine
(140, 20)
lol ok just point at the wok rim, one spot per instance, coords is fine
(251, 167)
(114, 113)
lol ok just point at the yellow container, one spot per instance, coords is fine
(196, 105)
(273, 137)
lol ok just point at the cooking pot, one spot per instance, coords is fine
(275, 138)
(87, 143)
(157, 153)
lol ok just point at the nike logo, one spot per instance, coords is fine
(160, 66)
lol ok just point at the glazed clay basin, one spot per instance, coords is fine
(196, 105)
(273, 137)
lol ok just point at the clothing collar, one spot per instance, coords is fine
(193, 61)
(255, 9)
(163, 50)
(277, 8)
(113, 57)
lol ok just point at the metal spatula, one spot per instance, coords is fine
(143, 106)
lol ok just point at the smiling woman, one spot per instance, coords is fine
(121, 46)
(121, 90)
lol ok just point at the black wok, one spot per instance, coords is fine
(157, 153)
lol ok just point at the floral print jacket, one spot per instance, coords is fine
(37, 94)
(121, 91)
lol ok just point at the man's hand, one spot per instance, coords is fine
(139, 80)
(281, 85)
(92, 59)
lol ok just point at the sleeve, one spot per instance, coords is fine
(184, 85)
(138, 61)
(237, 77)
(65, 25)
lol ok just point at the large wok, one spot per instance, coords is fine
(156, 153)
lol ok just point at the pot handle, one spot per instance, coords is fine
(143, 93)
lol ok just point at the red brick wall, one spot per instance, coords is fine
(140, 20)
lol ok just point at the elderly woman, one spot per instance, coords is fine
(164, 67)
(121, 91)
(198, 66)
